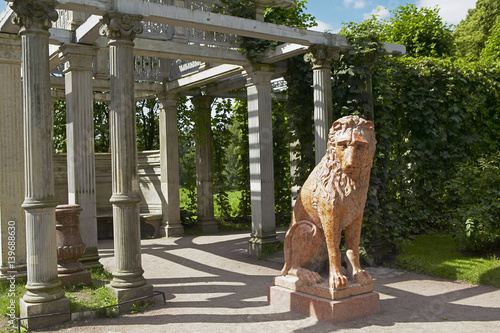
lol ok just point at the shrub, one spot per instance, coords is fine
(476, 193)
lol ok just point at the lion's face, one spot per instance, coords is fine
(353, 143)
(351, 148)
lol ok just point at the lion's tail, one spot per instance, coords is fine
(287, 246)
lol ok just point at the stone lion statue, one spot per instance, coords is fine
(331, 200)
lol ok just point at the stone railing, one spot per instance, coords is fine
(209, 38)
(69, 20)
(191, 35)
(149, 68)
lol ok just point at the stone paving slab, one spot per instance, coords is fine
(212, 285)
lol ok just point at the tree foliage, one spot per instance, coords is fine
(421, 30)
(471, 35)
(147, 121)
(491, 50)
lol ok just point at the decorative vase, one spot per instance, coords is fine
(70, 246)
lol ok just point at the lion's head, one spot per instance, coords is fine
(349, 156)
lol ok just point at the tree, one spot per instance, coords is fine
(491, 51)
(421, 30)
(147, 123)
(471, 34)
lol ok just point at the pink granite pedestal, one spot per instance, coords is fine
(322, 302)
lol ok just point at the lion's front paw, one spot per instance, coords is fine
(362, 277)
(338, 280)
(307, 276)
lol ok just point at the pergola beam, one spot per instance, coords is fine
(184, 17)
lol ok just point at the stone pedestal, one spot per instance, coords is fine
(322, 302)
(123, 295)
(204, 177)
(70, 247)
(260, 138)
(169, 159)
(36, 309)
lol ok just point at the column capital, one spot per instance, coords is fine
(168, 100)
(321, 56)
(120, 27)
(34, 14)
(259, 74)
(77, 57)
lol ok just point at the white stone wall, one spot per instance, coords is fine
(149, 181)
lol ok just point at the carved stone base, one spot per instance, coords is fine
(172, 230)
(90, 258)
(207, 226)
(75, 279)
(36, 309)
(261, 247)
(324, 303)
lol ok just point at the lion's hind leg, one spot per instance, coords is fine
(301, 245)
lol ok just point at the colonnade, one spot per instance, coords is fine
(36, 225)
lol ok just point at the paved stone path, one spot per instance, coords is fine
(212, 285)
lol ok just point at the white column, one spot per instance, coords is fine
(321, 57)
(77, 61)
(128, 281)
(204, 178)
(260, 132)
(12, 222)
(43, 285)
(169, 156)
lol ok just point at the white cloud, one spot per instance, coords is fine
(452, 11)
(322, 26)
(381, 11)
(357, 4)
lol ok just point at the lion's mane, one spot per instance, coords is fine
(332, 183)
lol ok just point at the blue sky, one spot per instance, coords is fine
(331, 13)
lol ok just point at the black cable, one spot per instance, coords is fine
(155, 293)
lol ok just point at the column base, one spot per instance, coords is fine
(75, 279)
(90, 259)
(172, 229)
(262, 246)
(19, 272)
(207, 226)
(35, 309)
(123, 295)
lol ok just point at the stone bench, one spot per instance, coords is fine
(150, 225)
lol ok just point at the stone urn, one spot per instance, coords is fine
(70, 246)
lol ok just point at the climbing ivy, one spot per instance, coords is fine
(221, 133)
(300, 109)
(243, 162)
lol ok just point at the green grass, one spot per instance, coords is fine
(438, 255)
(224, 224)
(234, 200)
(80, 298)
(95, 295)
